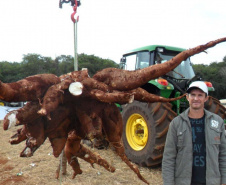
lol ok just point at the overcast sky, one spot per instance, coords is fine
(108, 28)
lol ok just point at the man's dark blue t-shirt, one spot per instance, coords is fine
(199, 150)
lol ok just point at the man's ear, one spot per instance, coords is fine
(207, 97)
(187, 96)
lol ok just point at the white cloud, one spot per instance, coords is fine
(109, 28)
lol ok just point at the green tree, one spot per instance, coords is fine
(94, 63)
(36, 64)
(65, 64)
(10, 72)
(216, 74)
(91, 62)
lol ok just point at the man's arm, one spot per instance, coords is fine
(222, 155)
(169, 156)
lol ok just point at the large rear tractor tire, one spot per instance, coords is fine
(145, 128)
(215, 106)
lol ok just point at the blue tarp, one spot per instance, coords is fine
(4, 110)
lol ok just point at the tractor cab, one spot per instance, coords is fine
(156, 54)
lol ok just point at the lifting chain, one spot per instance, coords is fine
(73, 2)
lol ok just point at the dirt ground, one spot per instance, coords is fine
(40, 168)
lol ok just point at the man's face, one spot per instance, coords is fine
(196, 99)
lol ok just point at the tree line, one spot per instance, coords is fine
(36, 64)
(216, 74)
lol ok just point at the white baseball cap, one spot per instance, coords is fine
(198, 85)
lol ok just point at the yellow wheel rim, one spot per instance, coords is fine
(136, 132)
(1, 104)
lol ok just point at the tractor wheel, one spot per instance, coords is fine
(214, 105)
(145, 127)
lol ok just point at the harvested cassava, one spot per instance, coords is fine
(31, 88)
(21, 116)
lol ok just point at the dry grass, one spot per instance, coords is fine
(40, 169)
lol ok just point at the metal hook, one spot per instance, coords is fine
(75, 11)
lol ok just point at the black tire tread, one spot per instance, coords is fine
(214, 105)
(162, 115)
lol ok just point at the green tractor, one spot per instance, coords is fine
(146, 124)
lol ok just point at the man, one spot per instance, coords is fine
(195, 149)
